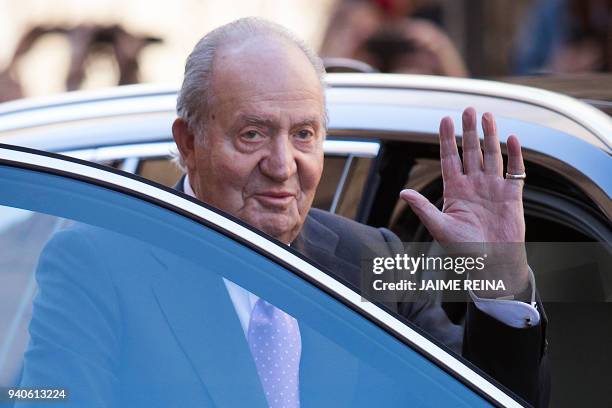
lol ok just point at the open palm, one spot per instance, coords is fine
(480, 205)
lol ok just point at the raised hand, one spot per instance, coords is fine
(480, 205)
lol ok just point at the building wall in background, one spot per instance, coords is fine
(180, 23)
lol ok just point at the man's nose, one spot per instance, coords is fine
(279, 162)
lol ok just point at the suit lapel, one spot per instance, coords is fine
(199, 311)
(318, 243)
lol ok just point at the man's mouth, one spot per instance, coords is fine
(275, 198)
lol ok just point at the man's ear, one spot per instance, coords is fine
(184, 139)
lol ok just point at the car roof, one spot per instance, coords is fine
(154, 103)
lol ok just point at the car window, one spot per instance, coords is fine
(123, 301)
(161, 170)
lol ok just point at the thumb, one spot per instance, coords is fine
(430, 216)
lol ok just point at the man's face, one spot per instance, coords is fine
(261, 155)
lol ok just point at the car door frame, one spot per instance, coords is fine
(286, 257)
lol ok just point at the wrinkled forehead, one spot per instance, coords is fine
(268, 78)
(275, 111)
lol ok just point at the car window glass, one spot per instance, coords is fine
(126, 304)
(11, 216)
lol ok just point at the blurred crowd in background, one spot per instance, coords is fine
(75, 44)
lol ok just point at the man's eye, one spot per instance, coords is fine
(251, 135)
(304, 134)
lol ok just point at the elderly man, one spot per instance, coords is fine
(250, 134)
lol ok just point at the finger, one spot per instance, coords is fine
(449, 156)
(430, 216)
(472, 155)
(493, 163)
(515, 159)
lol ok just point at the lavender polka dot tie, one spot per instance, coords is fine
(275, 343)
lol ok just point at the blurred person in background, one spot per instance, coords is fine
(565, 36)
(399, 36)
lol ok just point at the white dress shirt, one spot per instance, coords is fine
(244, 302)
(514, 313)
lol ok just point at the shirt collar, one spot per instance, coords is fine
(187, 187)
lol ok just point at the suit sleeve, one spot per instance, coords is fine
(75, 326)
(514, 357)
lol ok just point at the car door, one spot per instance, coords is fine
(119, 300)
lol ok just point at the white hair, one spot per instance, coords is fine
(194, 96)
